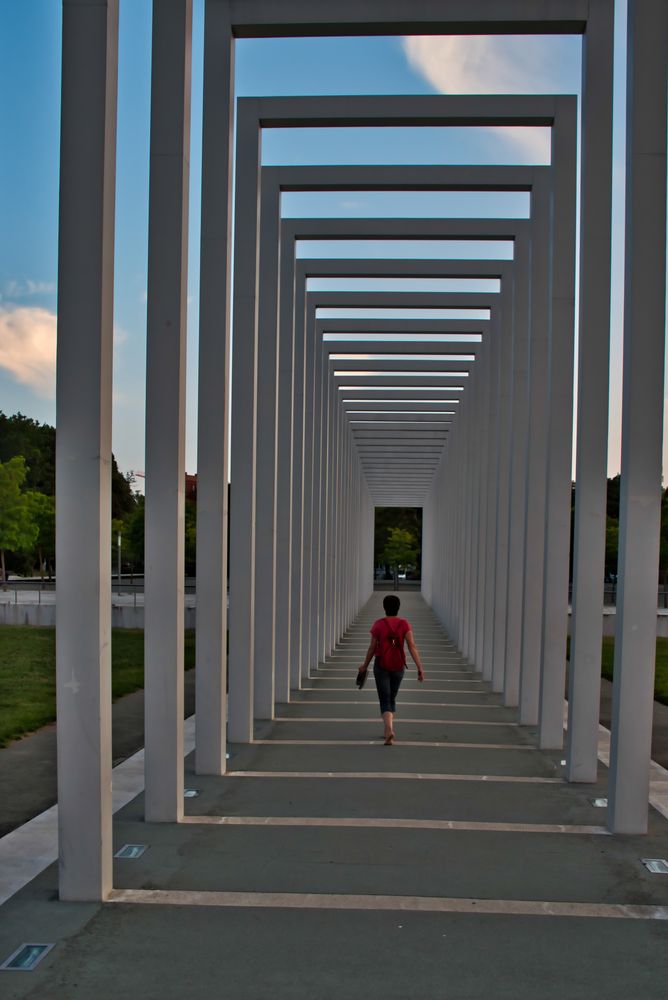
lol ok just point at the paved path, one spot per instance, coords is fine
(456, 864)
(28, 778)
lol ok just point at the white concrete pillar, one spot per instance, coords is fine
(321, 498)
(477, 551)
(468, 435)
(503, 492)
(330, 487)
(313, 618)
(584, 678)
(344, 487)
(303, 384)
(535, 502)
(307, 608)
(244, 438)
(213, 392)
(266, 449)
(642, 415)
(560, 437)
(165, 409)
(341, 484)
(492, 492)
(287, 567)
(83, 451)
(518, 461)
(479, 521)
(485, 375)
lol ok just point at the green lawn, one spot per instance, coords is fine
(660, 676)
(28, 668)
(661, 672)
(27, 673)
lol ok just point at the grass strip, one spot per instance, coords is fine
(661, 669)
(28, 674)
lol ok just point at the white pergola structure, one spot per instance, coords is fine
(256, 275)
(261, 269)
(84, 395)
(292, 304)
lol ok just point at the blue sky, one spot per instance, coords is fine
(29, 128)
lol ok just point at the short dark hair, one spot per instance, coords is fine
(391, 603)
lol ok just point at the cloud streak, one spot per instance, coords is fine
(28, 348)
(477, 64)
(14, 290)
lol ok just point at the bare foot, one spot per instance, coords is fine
(389, 739)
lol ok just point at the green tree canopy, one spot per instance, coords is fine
(401, 549)
(18, 529)
(44, 515)
(407, 518)
(134, 534)
(611, 544)
(20, 435)
(122, 498)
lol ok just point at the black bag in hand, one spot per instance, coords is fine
(360, 680)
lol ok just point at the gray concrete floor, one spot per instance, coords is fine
(330, 780)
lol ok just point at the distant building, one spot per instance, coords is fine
(191, 487)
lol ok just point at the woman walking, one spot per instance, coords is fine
(387, 645)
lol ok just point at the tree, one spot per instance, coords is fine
(133, 534)
(191, 538)
(663, 551)
(18, 529)
(612, 502)
(401, 549)
(20, 435)
(122, 498)
(44, 515)
(611, 546)
(387, 518)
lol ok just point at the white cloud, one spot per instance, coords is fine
(26, 289)
(493, 64)
(28, 348)
(481, 64)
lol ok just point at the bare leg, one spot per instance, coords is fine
(388, 719)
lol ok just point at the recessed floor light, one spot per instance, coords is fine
(130, 852)
(25, 958)
(658, 866)
(190, 793)
(600, 803)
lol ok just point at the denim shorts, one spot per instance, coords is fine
(387, 685)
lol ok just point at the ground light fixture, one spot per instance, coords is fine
(402, 357)
(343, 373)
(409, 413)
(26, 957)
(402, 388)
(436, 402)
(411, 338)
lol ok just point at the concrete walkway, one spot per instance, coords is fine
(456, 864)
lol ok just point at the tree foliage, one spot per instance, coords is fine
(43, 510)
(406, 518)
(134, 532)
(122, 498)
(34, 444)
(18, 530)
(401, 549)
(20, 435)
